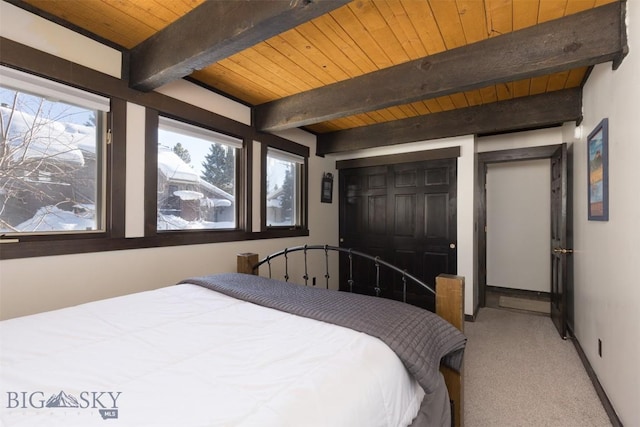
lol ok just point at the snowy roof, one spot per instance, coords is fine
(41, 138)
(173, 167)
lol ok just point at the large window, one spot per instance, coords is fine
(196, 177)
(51, 156)
(284, 189)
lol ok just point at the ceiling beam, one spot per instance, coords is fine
(587, 38)
(529, 112)
(213, 31)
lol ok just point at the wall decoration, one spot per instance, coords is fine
(326, 192)
(598, 172)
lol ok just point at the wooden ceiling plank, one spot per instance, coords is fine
(179, 8)
(382, 25)
(448, 19)
(551, 9)
(285, 67)
(522, 88)
(515, 114)
(473, 97)
(473, 18)
(445, 102)
(420, 108)
(337, 61)
(557, 81)
(499, 17)
(100, 18)
(424, 22)
(332, 29)
(155, 13)
(459, 100)
(575, 6)
(576, 77)
(538, 85)
(193, 43)
(525, 14)
(504, 91)
(433, 105)
(603, 2)
(406, 110)
(279, 70)
(295, 47)
(241, 82)
(243, 66)
(550, 47)
(349, 20)
(489, 94)
(401, 24)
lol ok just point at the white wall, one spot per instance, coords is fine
(466, 179)
(38, 284)
(607, 254)
(519, 225)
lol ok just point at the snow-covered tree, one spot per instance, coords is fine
(47, 159)
(219, 167)
(182, 152)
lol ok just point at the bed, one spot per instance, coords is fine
(231, 349)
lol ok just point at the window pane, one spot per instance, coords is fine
(50, 165)
(196, 182)
(283, 196)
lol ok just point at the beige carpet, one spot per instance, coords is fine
(519, 372)
(525, 304)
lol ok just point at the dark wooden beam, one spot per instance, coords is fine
(516, 114)
(546, 48)
(213, 31)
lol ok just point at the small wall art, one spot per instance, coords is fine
(598, 172)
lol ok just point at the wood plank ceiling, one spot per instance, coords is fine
(350, 41)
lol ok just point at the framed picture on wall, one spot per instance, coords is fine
(326, 193)
(598, 172)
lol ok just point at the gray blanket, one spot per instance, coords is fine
(420, 338)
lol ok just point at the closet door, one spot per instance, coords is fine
(406, 215)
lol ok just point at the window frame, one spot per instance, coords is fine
(302, 202)
(47, 89)
(33, 61)
(240, 147)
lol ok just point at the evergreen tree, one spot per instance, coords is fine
(219, 167)
(182, 152)
(286, 198)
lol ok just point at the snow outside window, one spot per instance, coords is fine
(51, 156)
(284, 176)
(196, 177)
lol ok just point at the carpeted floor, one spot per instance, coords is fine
(519, 372)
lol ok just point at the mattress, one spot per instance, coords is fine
(189, 356)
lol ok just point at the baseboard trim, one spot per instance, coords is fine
(602, 395)
(519, 292)
(472, 318)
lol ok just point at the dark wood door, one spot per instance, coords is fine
(559, 251)
(406, 215)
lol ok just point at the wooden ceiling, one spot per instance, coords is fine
(350, 70)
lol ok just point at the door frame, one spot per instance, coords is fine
(485, 159)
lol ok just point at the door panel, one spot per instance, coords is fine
(559, 252)
(409, 219)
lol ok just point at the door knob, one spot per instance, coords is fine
(562, 251)
(452, 245)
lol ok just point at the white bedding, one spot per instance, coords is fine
(188, 356)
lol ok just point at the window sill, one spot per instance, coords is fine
(58, 246)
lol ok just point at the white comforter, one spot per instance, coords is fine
(188, 356)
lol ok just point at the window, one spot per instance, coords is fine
(51, 156)
(284, 189)
(196, 177)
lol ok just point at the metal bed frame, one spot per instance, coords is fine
(378, 263)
